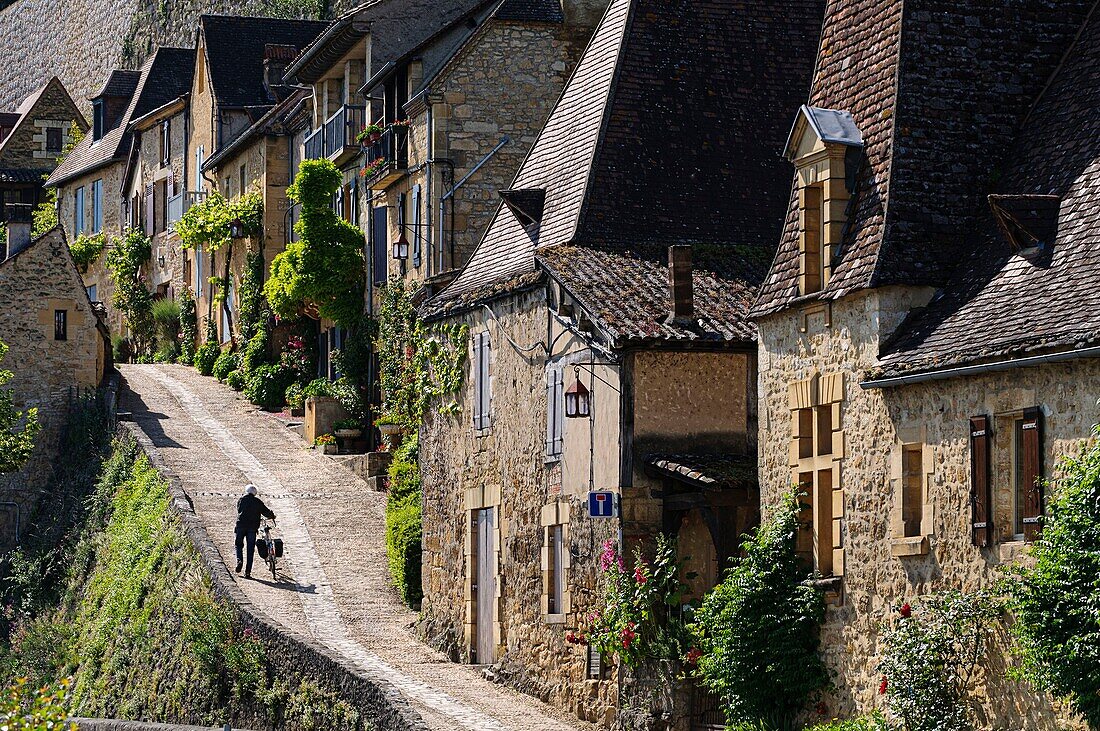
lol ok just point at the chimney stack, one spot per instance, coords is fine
(17, 228)
(277, 58)
(680, 283)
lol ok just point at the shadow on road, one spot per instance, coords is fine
(149, 420)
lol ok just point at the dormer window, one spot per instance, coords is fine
(824, 146)
(99, 119)
(1029, 223)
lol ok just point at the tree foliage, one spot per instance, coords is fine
(206, 224)
(322, 272)
(18, 429)
(87, 248)
(1056, 599)
(758, 630)
(131, 297)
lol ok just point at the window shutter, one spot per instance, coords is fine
(1031, 471)
(416, 226)
(487, 387)
(149, 210)
(980, 497)
(559, 411)
(479, 376)
(551, 412)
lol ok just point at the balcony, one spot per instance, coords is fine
(315, 144)
(178, 205)
(388, 157)
(340, 131)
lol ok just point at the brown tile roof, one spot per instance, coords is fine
(938, 93)
(669, 132)
(999, 304)
(708, 471)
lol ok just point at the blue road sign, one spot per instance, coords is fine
(602, 504)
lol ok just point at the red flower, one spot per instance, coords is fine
(906, 610)
(882, 686)
(638, 575)
(628, 635)
(693, 655)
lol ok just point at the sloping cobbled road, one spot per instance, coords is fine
(333, 581)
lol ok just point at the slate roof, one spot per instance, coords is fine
(164, 76)
(530, 11)
(20, 175)
(271, 122)
(708, 471)
(235, 48)
(670, 131)
(998, 304)
(120, 82)
(938, 93)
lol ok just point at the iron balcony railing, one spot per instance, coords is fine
(389, 154)
(341, 129)
(178, 205)
(315, 144)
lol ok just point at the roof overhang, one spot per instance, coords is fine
(172, 108)
(328, 49)
(831, 126)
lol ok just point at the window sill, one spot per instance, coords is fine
(552, 460)
(553, 618)
(910, 546)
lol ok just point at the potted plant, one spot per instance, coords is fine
(370, 170)
(347, 429)
(370, 133)
(391, 430)
(327, 443)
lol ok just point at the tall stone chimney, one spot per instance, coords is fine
(680, 283)
(17, 228)
(276, 59)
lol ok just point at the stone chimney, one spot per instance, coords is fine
(17, 228)
(680, 284)
(276, 59)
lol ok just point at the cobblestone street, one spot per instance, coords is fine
(334, 580)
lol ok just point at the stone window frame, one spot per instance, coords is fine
(555, 515)
(821, 391)
(900, 544)
(74, 318)
(822, 168)
(480, 498)
(41, 138)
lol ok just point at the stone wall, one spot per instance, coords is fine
(26, 148)
(845, 339)
(505, 467)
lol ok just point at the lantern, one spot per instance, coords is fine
(236, 229)
(401, 247)
(578, 402)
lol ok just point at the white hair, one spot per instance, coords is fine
(250, 490)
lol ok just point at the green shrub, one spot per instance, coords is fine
(873, 722)
(403, 534)
(236, 380)
(930, 653)
(319, 387)
(189, 326)
(255, 353)
(121, 350)
(27, 708)
(224, 365)
(758, 630)
(294, 398)
(266, 387)
(206, 356)
(1056, 598)
(166, 353)
(87, 248)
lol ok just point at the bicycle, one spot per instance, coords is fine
(269, 547)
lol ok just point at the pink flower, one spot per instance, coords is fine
(693, 655)
(609, 557)
(628, 634)
(639, 575)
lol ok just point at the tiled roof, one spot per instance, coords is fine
(235, 47)
(669, 132)
(708, 471)
(538, 11)
(999, 304)
(270, 121)
(937, 93)
(163, 77)
(52, 92)
(120, 82)
(17, 175)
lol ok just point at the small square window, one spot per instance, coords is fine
(53, 139)
(60, 324)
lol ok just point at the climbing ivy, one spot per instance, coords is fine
(44, 215)
(321, 274)
(125, 259)
(417, 363)
(18, 429)
(252, 307)
(206, 224)
(86, 249)
(189, 326)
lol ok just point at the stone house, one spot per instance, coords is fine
(31, 139)
(58, 350)
(239, 64)
(603, 273)
(928, 330)
(155, 177)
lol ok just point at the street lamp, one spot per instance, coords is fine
(401, 247)
(236, 229)
(578, 401)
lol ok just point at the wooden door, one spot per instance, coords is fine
(486, 585)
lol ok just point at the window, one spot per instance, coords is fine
(555, 416)
(198, 272)
(812, 254)
(53, 139)
(60, 324)
(1006, 491)
(912, 489)
(97, 206)
(416, 237)
(200, 157)
(165, 142)
(228, 187)
(99, 119)
(93, 293)
(379, 243)
(78, 211)
(1027, 499)
(482, 381)
(556, 579)
(150, 210)
(243, 180)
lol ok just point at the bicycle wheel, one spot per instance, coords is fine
(271, 561)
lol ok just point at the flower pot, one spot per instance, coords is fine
(329, 449)
(349, 433)
(392, 434)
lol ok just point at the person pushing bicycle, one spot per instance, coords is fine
(250, 509)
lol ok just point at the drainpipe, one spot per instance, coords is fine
(427, 238)
(973, 370)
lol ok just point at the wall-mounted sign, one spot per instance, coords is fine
(602, 504)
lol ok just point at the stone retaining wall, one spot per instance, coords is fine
(291, 652)
(103, 724)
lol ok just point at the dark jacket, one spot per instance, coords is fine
(249, 510)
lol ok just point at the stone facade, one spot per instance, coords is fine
(880, 569)
(57, 352)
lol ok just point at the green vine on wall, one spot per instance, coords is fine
(86, 249)
(418, 364)
(18, 429)
(44, 215)
(189, 326)
(207, 224)
(125, 259)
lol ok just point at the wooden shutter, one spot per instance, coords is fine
(981, 499)
(1031, 471)
(486, 387)
(559, 411)
(554, 412)
(149, 210)
(416, 226)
